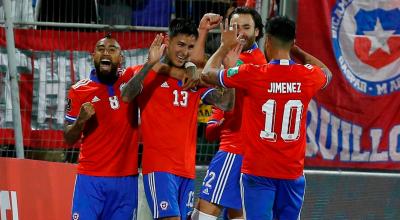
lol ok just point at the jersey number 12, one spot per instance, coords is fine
(269, 108)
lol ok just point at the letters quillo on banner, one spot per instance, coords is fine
(355, 122)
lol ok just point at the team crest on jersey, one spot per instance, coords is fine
(75, 216)
(232, 71)
(239, 62)
(164, 205)
(366, 42)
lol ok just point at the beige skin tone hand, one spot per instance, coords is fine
(229, 40)
(209, 21)
(192, 77)
(232, 56)
(72, 132)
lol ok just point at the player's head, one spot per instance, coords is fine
(107, 56)
(182, 35)
(249, 23)
(280, 35)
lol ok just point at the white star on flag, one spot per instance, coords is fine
(379, 38)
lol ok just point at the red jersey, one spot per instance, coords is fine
(230, 136)
(109, 139)
(214, 124)
(274, 115)
(168, 125)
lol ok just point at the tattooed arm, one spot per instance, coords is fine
(223, 99)
(135, 84)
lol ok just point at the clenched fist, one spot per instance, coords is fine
(210, 21)
(86, 112)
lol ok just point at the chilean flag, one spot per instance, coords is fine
(377, 40)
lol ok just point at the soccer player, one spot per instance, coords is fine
(221, 184)
(169, 122)
(274, 119)
(106, 183)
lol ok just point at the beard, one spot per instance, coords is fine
(107, 77)
(249, 42)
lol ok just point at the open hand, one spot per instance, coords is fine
(156, 49)
(231, 58)
(229, 35)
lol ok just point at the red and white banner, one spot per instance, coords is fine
(32, 189)
(355, 122)
(48, 63)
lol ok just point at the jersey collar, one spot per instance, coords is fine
(94, 78)
(283, 62)
(253, 47)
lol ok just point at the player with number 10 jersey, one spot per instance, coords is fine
(274, 121)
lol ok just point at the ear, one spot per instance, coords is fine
(256, 32)
(121, 58)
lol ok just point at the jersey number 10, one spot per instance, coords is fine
(269, 108)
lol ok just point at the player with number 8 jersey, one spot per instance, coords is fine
(106, 185)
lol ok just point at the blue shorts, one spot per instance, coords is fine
(221, 183)
(268, 198)
(169, 195)
(105, 197)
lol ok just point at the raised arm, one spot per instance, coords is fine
(229, 40)
(307, 58)
(198, 57)
(73, 131)
(135, 84)
(208, 22)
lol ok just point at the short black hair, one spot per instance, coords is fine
(182, 26)
(256, 18)
(282, 28)
(108, 35)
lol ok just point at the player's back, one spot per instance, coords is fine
(231, 140)
(275, 117)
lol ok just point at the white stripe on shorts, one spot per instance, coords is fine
(222, 178)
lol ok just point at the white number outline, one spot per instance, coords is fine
(184, 101)
(208, 182)
(269, 108)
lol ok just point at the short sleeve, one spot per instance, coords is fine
(320, 78)
(213, 129)
(129, 72)
(73, 106)
(237, 77)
